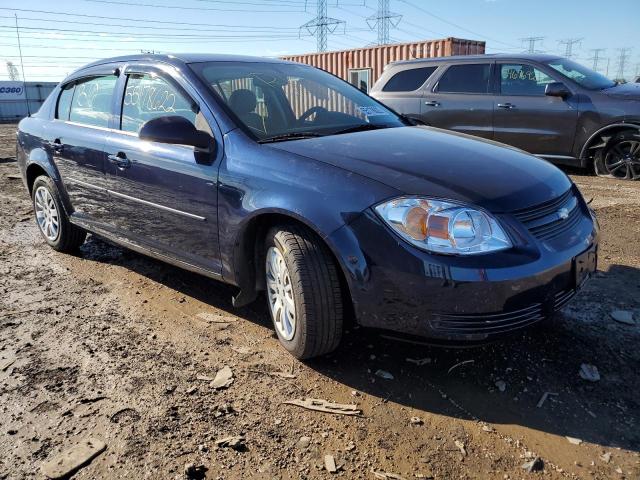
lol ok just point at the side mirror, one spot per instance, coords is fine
(178, 130)
(557, 89)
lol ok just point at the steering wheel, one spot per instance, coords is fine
(317, 110)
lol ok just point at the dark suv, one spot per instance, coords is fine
(550, 106)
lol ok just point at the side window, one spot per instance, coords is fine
(472, 78)
(409, 80)
(519, 79)
(64, 102)
(92, 99)
(360, 78)
(149, 96)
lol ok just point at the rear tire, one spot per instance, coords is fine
(620, 157)
(51, 218)
(303, 292)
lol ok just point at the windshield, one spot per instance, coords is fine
(281, 101)
(580, 74)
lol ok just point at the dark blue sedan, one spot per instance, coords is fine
(280, 178)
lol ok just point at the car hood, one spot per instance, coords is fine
(429, 161)
(627, 91)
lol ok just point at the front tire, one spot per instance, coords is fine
(51, 218)
(620, 157)
(303, 292)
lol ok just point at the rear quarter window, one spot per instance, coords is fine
(409, 80)
(469, 78)
(63, 107)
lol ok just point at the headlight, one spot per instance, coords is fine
(443, 227)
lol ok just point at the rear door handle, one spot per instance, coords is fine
(120, 160)
(506, 106)
(56, 145)
(432, 103)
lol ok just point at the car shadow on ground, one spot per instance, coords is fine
(501, 383)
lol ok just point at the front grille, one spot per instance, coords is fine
(562, 298)
(552, 218)
(486, 323)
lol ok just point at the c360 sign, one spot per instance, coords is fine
(11, 91)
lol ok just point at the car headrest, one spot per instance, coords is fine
(243, 101)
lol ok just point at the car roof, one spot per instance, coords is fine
(182, 58)
(536, 57)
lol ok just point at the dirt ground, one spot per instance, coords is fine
(111, 344)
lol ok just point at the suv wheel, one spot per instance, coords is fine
(303, 292)
(620, 157)
(51, 218)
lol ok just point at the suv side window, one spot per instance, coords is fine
(409, 80)
(149, 96)
(63, 109)
(92, 100)
(467, 78)
(522, 79)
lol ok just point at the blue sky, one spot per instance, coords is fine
(74, 35)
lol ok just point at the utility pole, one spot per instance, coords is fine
(596, 57)
(622, 61)
(322, 25)
(24, 79)
(569, 43)
(532, 43)
(12, 70)
(383, 21)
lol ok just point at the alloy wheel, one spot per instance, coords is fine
(623, 160)
(46, 214)
(280, 294)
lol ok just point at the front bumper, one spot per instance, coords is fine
(395, 286)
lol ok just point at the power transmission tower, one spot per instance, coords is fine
(532, 43)
(622, 62)
(383, 21)
(596, 57)
(569, 43)
(322, 25)
(12, 70)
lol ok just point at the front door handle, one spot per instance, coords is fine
(56, 145)
(120, 160)
(506, 106)
(432, 103)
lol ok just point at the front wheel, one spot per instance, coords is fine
(51, 218)
(620, 157)
(303, 292)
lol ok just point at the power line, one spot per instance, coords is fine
(383, 21)
(322, 25)
(569, 43)
(532, 43)
(181, 7)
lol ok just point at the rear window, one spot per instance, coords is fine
(64, 102)
(472, 78)
(409, 80)
(92, 100)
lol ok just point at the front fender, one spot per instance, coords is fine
(258, 182)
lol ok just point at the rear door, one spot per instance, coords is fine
(461, 100)
(403, 91)
(76, 141)
(160, 197)
(528, 119)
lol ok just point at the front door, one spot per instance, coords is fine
(461, 100)
(76, 141)
(528, 119)
(160, 197)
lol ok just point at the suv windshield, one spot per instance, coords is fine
(281, 101)
(580, 74)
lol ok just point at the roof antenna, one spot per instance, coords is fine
(24, 80)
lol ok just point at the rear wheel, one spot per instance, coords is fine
(619, 157)
(51, 218)
(303, 292)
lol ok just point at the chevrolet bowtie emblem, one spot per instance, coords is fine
(563, 213)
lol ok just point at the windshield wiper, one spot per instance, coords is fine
(360, 128)
(290, 136)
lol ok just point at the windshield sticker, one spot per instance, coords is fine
(372, 111)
